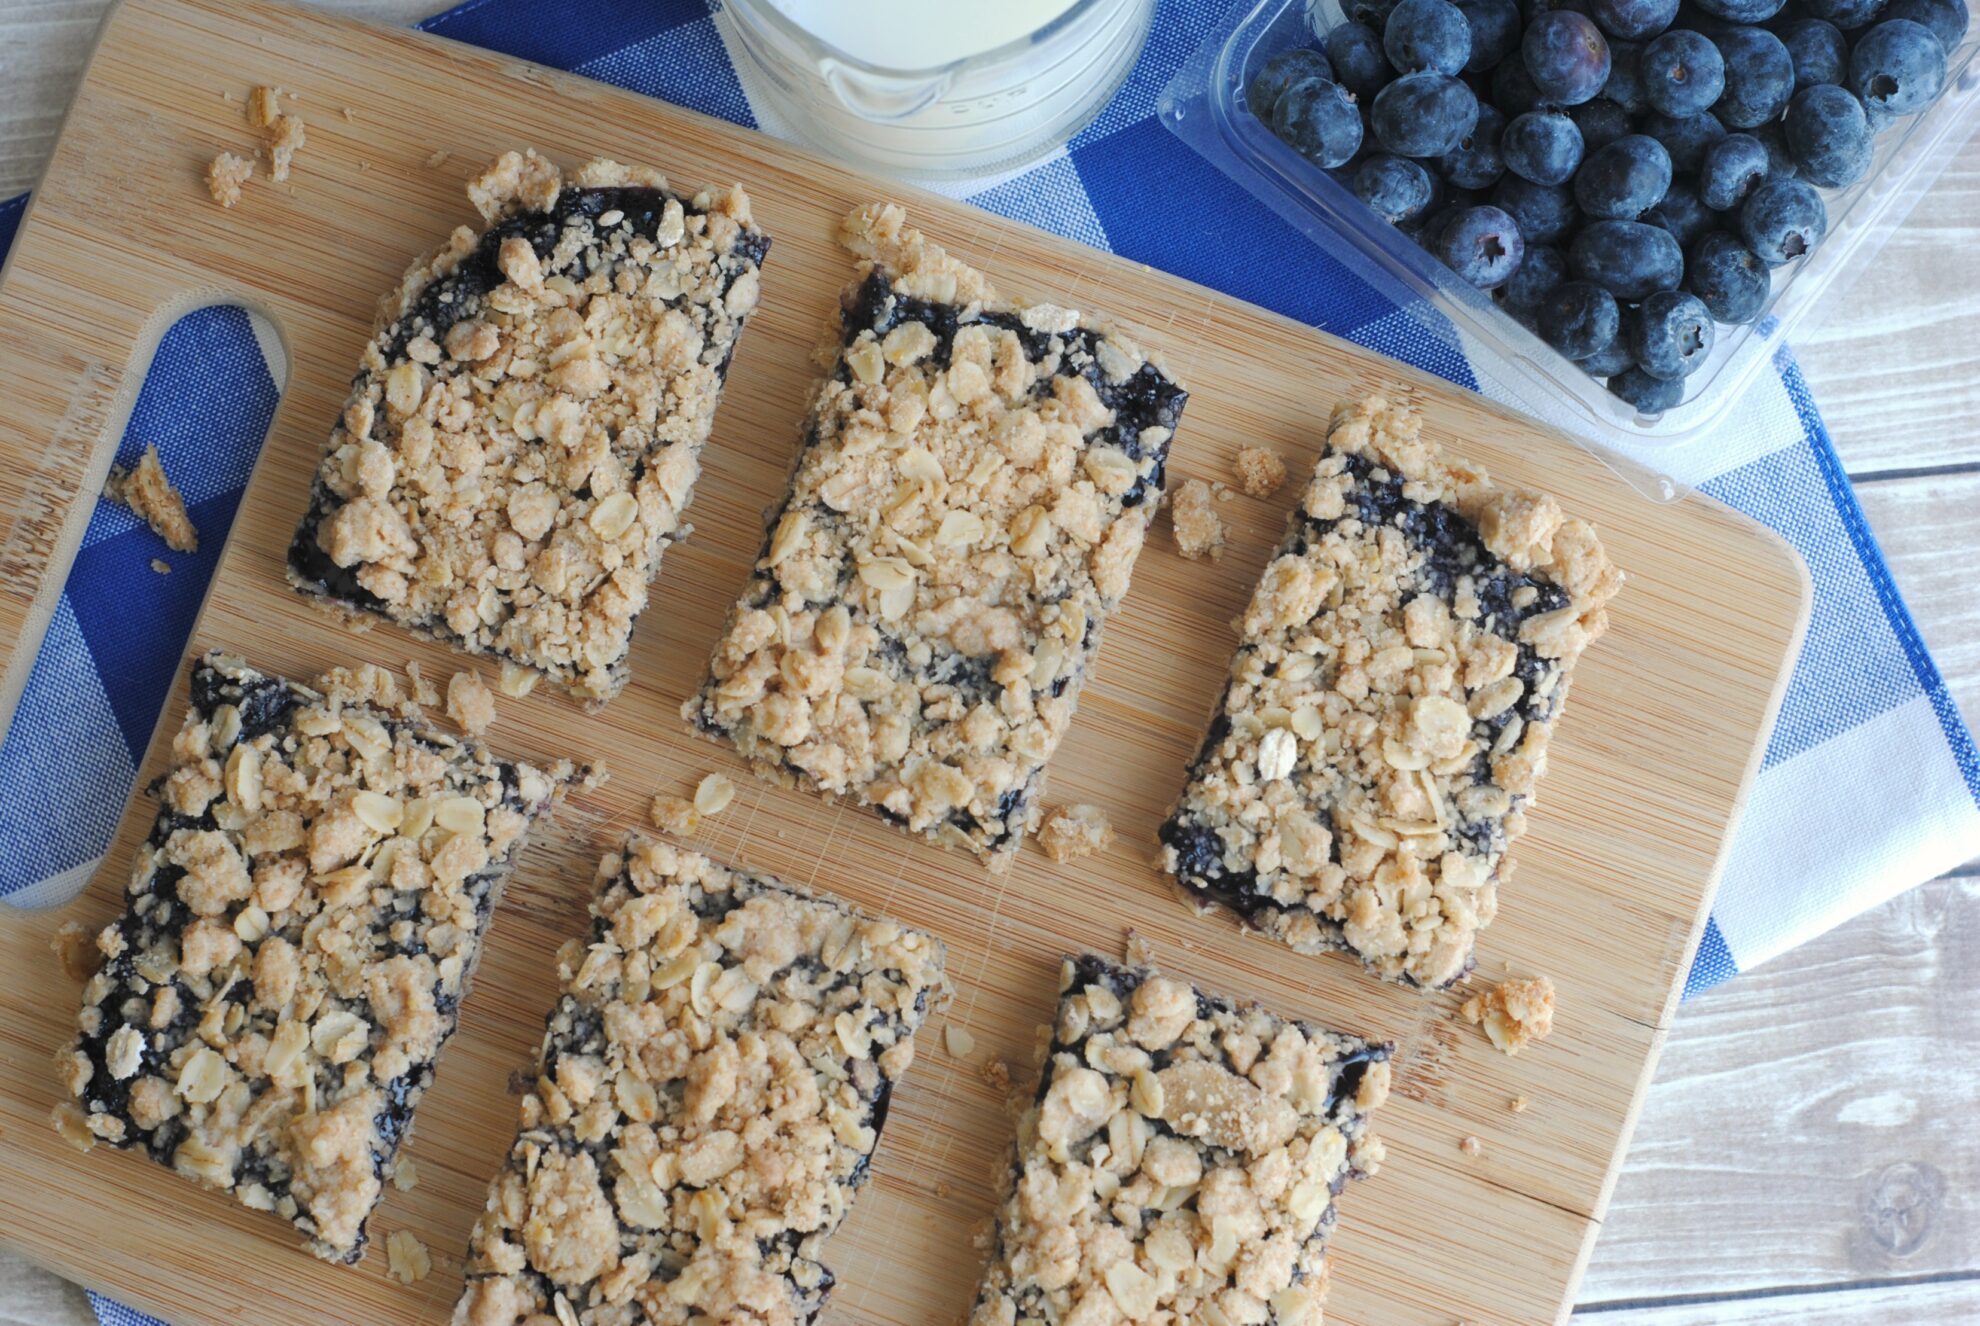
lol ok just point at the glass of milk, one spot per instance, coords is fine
(933, 89)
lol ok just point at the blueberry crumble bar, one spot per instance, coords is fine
(975, 483)
(1404, 660)
(711, 1088)
(301, 926)
(525, 431)
(1181, 1160)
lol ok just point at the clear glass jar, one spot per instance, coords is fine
(933, 89)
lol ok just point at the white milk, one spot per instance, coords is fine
(920, 34)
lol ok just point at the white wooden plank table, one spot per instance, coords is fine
(1807, 1153)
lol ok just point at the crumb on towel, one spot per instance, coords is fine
(149, 494)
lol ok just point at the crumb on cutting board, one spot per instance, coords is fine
(470, 703)
(437, 159)
(1518, 1104)
(713, 794)
(1514, 1013)
(516, 682)
(406, 1258)
(225, 175)
(1471, 1146)
(674, 815)
(957, 1040)
(1260, 472)
(282, 131)
(1073, 831)
(405, 1175)
(151, 496)
(75, 947)
(424, 692)
(1198, 529)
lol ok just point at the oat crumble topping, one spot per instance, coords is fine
(470, 703)
(1193, 517)
(1260, 472)
(225, 175)
(1514, 1013)
(151, 496)
(976, 481)
(1404, 660)
(1071, 832)
(1180, 1161)
(301, 926)
(710, 1091)
(525, 431)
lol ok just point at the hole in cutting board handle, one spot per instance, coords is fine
(115, 645)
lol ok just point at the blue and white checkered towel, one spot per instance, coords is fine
(1871, 782)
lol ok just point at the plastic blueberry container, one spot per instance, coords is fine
(1204, 104)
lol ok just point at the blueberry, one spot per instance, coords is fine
(1427, 34)
(1294, 101)
(1733, 167)
(1759, 78)
(1829, 135)
(1371, 13)
(1610, 360)
(1683, 73)
(1632, 20)
(1649, 395)
(1513, 90)
(1625, 85)
(1685, 137)
(1845, 14)
(1323, 126)
(1819, 51)
(1578, 318)
(1946, 18)
(1727, 277)
(1629, 259)
(1682, 212)
(1359, 65)
(1671, 335)
(1566, 55)
(1423, 115)
(1395, 188)
(1600, 123)
(1542, 146)
(1545, 212)
(1624, 179)
(1494, 28)
(1897, 67)
(1783, 220)
(1780, 160)
(1476, 163)
(1281, 72)
(1483, 245)
(1533, 9)
(1542, 270)
(1740, 11)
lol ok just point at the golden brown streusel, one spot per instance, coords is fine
(1260, 471)
(1070, 832)
(225, 176)
(273, 1000)
(975, 485)
(706, 1102)
(525, 431)
(151, 496)
(1404, 660)
(1514, 1013)
(1193, 517)
(1180, 1160)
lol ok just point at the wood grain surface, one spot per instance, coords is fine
(1908, 319)
(1646, 776)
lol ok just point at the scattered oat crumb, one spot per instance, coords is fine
(405, 1175)
(283, 132)
(161, 566)
(1223, 494)
(958, 1040)
(594, 776)
(439, 158)
(1514, 1013)
(228, 96)
(76, 949)
(1198, 529)
(470, 703)
(225, 175)
(674, 815)
(1518, 1104)
(516, 682)
(1071, 832)
(264, 104)
(713, 794)
(148, 493)
(424, 692)
(1139, 952)
(942, 1188)
(997, 1073)
(349, 115)
(1260, 472)
(69, 1121)
(1471, 1146)
(406, 1258)
(363, 164)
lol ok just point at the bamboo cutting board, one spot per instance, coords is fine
(1649, 769)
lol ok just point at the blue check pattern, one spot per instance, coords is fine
(1870, 784)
